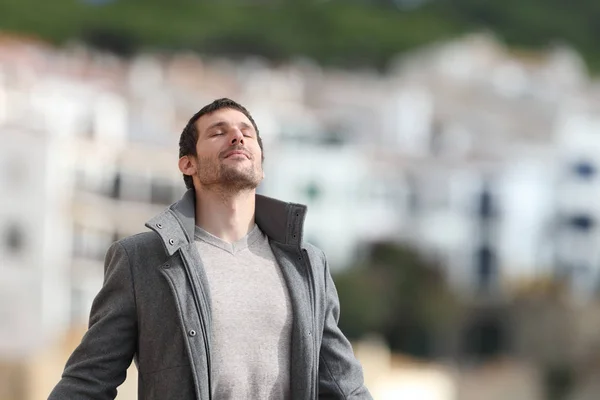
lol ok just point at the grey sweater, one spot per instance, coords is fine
(251, 317)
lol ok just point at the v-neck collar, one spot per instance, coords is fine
(235, 247)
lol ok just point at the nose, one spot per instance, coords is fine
(237, 137)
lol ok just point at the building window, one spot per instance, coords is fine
(133, 187)
(161, 192)
(313, 192)
(585, 170)
(115, 190)
(14, 239)
(484, 338)
(486, 204)
(582, 222)
(332, 138)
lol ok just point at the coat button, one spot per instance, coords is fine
(171, 242)
(192, 332)
(159, 226)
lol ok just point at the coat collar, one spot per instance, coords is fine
(282, 222)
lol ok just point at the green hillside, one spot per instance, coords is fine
(343, 32)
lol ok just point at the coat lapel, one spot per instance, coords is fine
(193, 324)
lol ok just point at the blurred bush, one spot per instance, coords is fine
(398, 294)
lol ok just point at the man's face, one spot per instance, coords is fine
(228, 152)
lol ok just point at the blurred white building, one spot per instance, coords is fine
(578, 190)
(482, 158)
(34, 240)
(72, 182)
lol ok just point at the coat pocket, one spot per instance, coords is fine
(175, 383)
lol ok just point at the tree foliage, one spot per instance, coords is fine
(335, 32)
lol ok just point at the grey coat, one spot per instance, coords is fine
(154, 307)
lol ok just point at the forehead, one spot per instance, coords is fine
(229, 116)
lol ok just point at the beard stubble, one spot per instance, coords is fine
(217, 175)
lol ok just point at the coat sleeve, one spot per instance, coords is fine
(340, 373)
(99, 364)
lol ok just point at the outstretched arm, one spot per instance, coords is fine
(99, 364)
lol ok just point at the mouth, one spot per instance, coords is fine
(237, 153)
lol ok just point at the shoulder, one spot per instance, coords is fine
(144, 244)
(140, 239)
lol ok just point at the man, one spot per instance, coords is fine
(222, 299)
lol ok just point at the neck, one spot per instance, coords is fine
(229, 216)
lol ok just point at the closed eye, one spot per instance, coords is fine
(247, 132)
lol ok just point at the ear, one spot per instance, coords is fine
(187, 166)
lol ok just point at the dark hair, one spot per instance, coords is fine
(189, 135)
